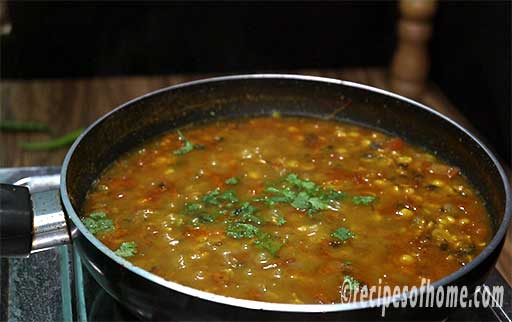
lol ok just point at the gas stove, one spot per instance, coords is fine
(54, 286)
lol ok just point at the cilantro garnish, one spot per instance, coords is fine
(301, 200)
(238, 230)
(192, 207)
(246, 213)
(212, 205)
(211, 197)
(280, 220)
(215, 197)
(318, 203)
(188, 146)
(335, 195)
(229, 195)
(201, 214)
(363, 200)
(97, 222)
(302, 194)
(265, 241)
(304, 184)
(271, 200)
(127, 249)
(298, 193)
(343, 234)
(233, 180)
(286, 193)
(347, 262)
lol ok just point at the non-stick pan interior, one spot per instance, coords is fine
(142, 119)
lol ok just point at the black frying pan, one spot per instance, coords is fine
(131, 124)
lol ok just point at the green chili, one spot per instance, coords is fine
(52, 144)
(23, 126)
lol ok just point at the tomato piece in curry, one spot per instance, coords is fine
(284, 209)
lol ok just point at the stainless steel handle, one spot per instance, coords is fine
(49, 224)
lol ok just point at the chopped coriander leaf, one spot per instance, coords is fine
(352, 283)
(201, 215)
(277, 199)
(305, 201)
(363, 200)
(335, 195)
(287, 193)
(214, 197)
(211, 197)
(343, 234)
(273, 190)
(265, 241)
(280, 220)
(127, 249)
(192, 207)
(317, 203)
(270, 200)
(306, 195)
(301, 201)
(284, 195)
(229, 195)
(209, 217)
(304, 184)
(210, 207)
(233, 180)
(347, 262)
(240, 230)
(97, 222)
(246, 213)
(188, 146)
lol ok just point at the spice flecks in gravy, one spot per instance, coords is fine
(284, 209)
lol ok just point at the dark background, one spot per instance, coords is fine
(470, 49)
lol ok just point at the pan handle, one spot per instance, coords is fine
(31, 216)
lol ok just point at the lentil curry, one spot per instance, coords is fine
(285, 209)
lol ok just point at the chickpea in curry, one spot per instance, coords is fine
(285, 209)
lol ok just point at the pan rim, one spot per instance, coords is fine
(286, 307)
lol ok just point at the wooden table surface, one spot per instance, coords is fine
(68, 104)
